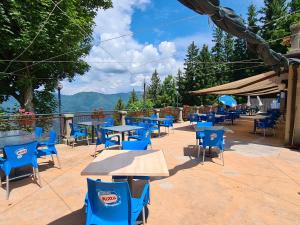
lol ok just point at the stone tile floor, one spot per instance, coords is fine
(259, 184)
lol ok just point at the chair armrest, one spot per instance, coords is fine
(134, 138)
(114, 136)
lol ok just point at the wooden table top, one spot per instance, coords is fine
(128, 163)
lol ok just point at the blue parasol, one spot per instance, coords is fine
(228, 100)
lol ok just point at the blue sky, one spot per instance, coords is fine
(157, 35)
(160, 13)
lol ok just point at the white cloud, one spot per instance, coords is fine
(127, 62)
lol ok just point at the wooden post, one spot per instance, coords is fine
(291, 105)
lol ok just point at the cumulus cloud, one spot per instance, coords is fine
(121, 64)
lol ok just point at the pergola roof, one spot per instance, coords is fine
(262, 84)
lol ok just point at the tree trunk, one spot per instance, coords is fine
(28, 98)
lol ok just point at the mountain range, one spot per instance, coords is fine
(84, 101)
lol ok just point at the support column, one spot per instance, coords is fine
(180, 119)
(122, 116)
(197, 109)
(68, 118)
(157, 112)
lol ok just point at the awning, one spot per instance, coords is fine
(262, 84)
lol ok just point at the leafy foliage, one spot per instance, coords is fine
(34, 30)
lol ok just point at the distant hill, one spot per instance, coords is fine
(84, 101)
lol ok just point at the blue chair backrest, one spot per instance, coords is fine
(52, 137)
(170, 117)
(109, 121)
(21, 155)
(194, 117)
(128, 121)
(153, 116)
(38, 131)
(204, 124)
(101, 135)
(211, 118)
(110, 202)
(134, 145)
(213, 138)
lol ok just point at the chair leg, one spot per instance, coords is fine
(199, 149)
(144, 217)
(0, 181)
(203, 155)
(95, 152)
(87, 141)
(7, 187)
(52, 158)
(222, 154)
(58, 161)
(38, 176)
(33, 172)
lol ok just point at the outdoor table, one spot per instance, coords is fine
(122, 129)
(128, 163)
(258, 117)
(19, 138)
(92, 124)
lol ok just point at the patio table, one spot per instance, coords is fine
(258, 117)
(91, 124)
(128, 163)
(122, 129)
(17, 138)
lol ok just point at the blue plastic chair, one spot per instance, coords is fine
(154, 116)
(17, 156)
(213, 138)
(153, 126)
(265, 124)
(109, 122)
(200, 134)
(79, 132)
(128, 121)
(168, 123)
(194, 118)
(48, 148)
(107, 141)
(111, 203)
(211, 118)
(142, 134)
(38, 131)
(135, 145)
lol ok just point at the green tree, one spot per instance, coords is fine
(180, 87)
(205, 75)
(252, 18)
(120, 105)
(168, 93)
(133, 98)
(294, 6)
(36, 30)
(274, 28)
(190, 74)
(153, 90)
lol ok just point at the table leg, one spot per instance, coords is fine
(254, 127)
(130, 183)
(158, 130)
(123, 136)
(93, 134)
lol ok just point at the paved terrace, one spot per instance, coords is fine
(259, 184)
